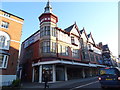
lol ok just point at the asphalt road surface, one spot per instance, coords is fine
(94, 85)
(90, 84)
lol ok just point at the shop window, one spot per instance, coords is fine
(49, 70)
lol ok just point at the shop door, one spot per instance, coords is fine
(49, 70)
(60, 73)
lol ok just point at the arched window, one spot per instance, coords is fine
(4, 40)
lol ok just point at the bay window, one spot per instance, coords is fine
(53, 47)
(45, 47)
(45, 31)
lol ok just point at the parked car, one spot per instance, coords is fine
(109, 77)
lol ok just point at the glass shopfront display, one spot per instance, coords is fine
(49, 70)
(74, 73)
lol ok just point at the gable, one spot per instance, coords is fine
(74, 31)
(84, 37)
(91, 40)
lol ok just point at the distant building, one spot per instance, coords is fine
(10, 34)
(118, 61)
(108, 57)
(114, 61)
(64, 53)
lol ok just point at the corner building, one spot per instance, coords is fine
(10, 34)
(65, 54)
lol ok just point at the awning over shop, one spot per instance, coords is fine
(92, 65)
(100, 65)
(60, 61)
(67, 62)
(96, 65)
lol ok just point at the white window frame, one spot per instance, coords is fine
(4, 60)
(4, 24)
(7, 40)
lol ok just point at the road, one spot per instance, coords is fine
(89, 83)
(94, 83)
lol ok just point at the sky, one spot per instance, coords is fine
(99, 18)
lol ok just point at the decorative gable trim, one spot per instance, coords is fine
(90, 36)
(83, 32)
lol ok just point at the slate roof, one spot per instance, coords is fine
(88, 35)
(81, 31)
(69, 28)
(105, 47)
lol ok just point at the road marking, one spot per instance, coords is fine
(84, 85)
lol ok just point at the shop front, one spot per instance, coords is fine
(62, 71)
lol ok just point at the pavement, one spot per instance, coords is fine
(58, 84)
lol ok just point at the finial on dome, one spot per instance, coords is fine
(48, 8)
